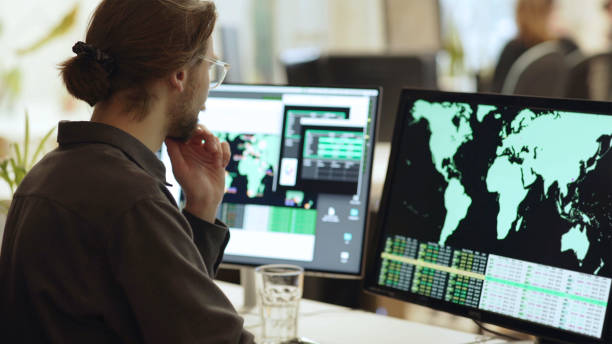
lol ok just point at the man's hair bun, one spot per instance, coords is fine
(86, 79)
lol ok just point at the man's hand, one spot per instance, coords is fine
(200, 169)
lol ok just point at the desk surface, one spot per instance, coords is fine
(325, 323)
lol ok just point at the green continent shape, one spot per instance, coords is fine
(576, 239)
(457, 204)
(268, 147)
(554, 159)
(446, 138)
(260, 153)
(505, 179)
(252, 169)
(483, 111)
(534, 143)
(232, 136)
(221, 135)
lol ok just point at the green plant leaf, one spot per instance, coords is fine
(17, 152)
(26, 140)
(4, 170)
(19, 172)
(14, 169)
(5, 205)
(11, 84)
(3, 164)
(58, 30)
(12, 163)
(41, 145)
(4, 173)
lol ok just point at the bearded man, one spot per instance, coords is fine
(95, 249)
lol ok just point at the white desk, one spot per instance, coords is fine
(326, 323)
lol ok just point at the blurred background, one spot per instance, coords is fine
(260, 38)
(439, 44)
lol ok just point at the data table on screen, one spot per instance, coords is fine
(547, 295)
(428, 280)
(332, 155)
(395, 273)
(465, 285)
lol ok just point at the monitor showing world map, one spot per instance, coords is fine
(500, 208)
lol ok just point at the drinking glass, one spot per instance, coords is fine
(279, 290)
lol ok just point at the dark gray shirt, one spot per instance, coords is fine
(95, 250)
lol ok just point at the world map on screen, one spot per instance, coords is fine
(516, 175)
(253, 163)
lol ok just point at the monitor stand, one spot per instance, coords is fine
(247, 281)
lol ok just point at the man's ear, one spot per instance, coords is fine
(178, 80)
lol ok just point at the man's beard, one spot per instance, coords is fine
(183, 117)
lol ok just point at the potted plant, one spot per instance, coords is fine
(17, 163)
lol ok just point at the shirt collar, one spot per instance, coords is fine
(93, 132)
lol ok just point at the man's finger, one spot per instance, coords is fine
(207, 134)
(176, 157)
(226, 153)
(218, 147)
(211, 142)
(197, 137)
(212, 145)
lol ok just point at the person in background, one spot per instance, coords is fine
(607, 7)
(537, 22)
(95, 249)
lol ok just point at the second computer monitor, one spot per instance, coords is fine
(298, 180)
(499, 208)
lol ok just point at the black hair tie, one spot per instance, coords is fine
(88, 50)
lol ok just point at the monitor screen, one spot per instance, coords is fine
(297, 184)
(499, 208)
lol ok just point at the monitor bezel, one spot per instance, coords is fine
(407, 97)
(366, 230)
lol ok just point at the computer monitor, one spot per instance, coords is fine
(298, 181)
(499, 208)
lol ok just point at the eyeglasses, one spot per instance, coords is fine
(217, 71)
